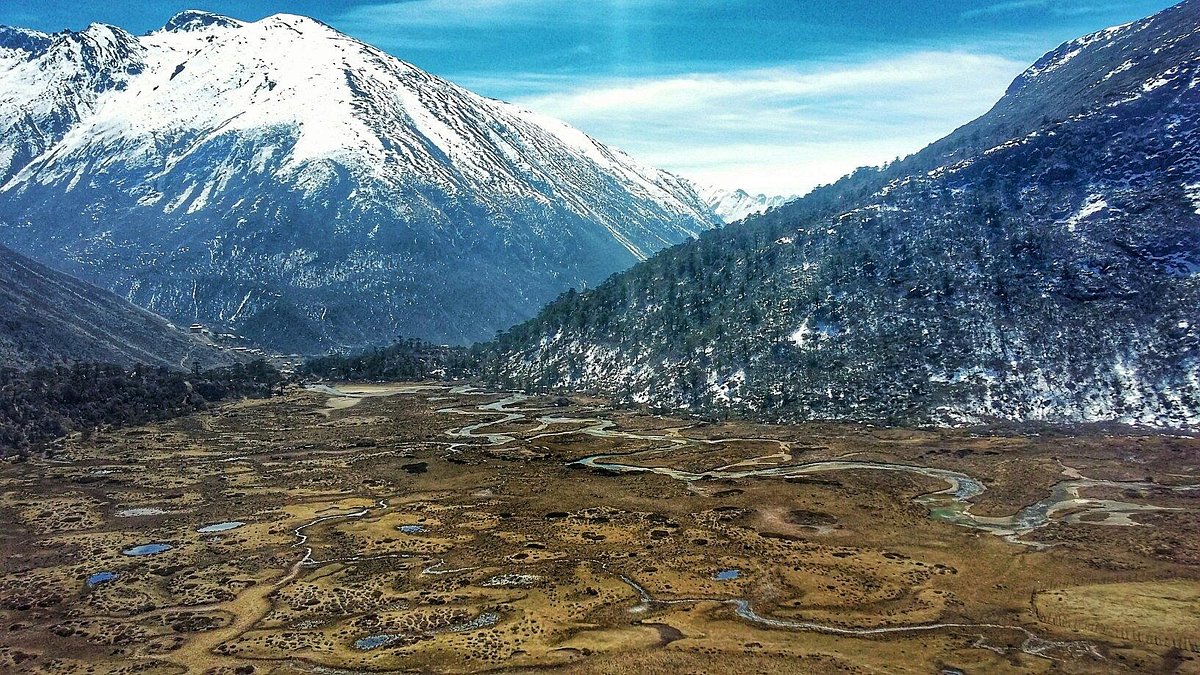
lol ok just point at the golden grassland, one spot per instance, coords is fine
(384, 530)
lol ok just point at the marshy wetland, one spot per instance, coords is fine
(449, 529)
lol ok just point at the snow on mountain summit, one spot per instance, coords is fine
(342, 99)
(217, 127)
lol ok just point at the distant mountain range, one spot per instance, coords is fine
(734, 205)
(48, 318)
(284, 181)
(1040, 263)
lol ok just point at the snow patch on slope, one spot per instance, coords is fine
(1095, 204)
(1192, 191)
(1069, 50)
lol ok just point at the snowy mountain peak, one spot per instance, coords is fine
(213, 137)
(299, 21)
(196, 20)
(103, 45)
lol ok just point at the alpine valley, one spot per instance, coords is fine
(1040, 263)
(939, 417)
(280, 180)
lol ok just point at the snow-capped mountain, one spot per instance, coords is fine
(308, 190)
(734, 205)
(1040, 263)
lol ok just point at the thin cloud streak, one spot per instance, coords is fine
(441, 13)
(459, 14)
(779, 130)
(1054, 7)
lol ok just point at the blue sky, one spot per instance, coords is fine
(769, 95)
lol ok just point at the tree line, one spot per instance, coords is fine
(408, 359)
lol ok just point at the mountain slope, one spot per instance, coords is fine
(48, 318)
(283, 180)
(1038, 264)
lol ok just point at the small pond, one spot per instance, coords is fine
(99, 578)
(221, 527)
(147, 549)
(375, 641)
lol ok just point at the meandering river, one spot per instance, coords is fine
(951, 504)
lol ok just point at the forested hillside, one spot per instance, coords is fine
(1039, 264)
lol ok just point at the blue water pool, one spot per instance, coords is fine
(147, 549)
(100, 577)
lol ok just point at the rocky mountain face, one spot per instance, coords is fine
(49, 318)
(734, 205)
(283, 181)
(1041, 263)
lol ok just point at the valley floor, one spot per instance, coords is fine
(435, 528)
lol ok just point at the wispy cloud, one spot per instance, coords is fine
(774, 95)
(467, 26)
(426, 13)
(1053, 7)
(508, 13)
(781, 130)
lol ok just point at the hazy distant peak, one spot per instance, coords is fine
(734, 205)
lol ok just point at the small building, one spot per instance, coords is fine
(197, 328)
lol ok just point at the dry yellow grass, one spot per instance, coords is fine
(1163, 613)
(505, 558)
